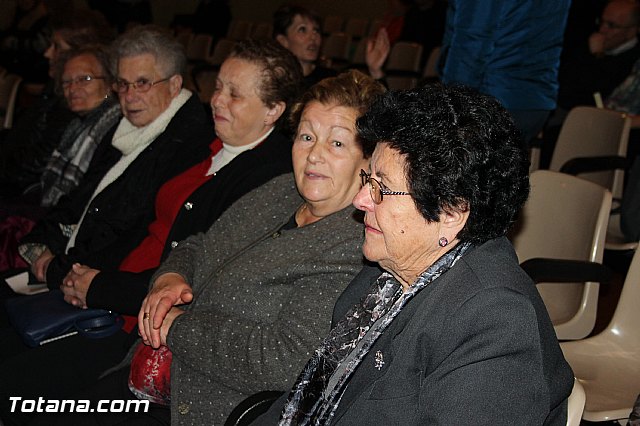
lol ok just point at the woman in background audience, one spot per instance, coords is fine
(85, 81)
(37, 129)
(299, 30)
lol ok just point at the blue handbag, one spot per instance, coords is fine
(46, 316)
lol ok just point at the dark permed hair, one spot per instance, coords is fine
(283, 17)
(351, 89)
(461, 150)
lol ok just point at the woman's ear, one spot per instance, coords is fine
(175, 84)
(453, 220)
(274, 113)
(284, 42)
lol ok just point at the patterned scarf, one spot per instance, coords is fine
(70, 160)
(312, 401)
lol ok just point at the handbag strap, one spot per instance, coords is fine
(99, 327)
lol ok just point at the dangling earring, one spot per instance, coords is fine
(442, 242)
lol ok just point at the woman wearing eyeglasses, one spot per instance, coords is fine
(236, 310)
(452, 331)
(164, 131)
(85, 81)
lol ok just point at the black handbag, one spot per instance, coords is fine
(46, 316)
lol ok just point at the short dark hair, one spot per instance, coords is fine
(281, 71)
(461, 150)
(283, 17)
(351, 89)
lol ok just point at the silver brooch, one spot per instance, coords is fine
(379, 360)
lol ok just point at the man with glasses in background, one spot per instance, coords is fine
(589, 73)
(604, 60)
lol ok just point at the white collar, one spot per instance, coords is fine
(627, 45)
(229, 152)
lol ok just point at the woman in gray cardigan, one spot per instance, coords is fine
(239, 309)
(263, 280)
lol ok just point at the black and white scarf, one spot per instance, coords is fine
(317, 393)
(71, 158)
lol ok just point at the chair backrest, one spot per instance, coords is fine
(262, 30)
(608, 364)
(9, 85)
(565, 218)
(402, 67)
(220, 52)
(358, 59)
(431, 67)
(184, 37)
(332, 24)
(199, 47)
(590, 132)
(356, 27)
(375, 25)
(239, 29)
(335, 48)
(575, 406)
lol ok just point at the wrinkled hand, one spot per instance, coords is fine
(378, 49)
(596, 44)
(39, 267)
(166, 324)
(167, 291)
(75, 285)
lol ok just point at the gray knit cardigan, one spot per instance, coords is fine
(263, 300)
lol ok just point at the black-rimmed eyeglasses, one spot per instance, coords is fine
(377, 189)
(81, 81)
(142, 85)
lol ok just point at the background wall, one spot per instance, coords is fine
(262, 10)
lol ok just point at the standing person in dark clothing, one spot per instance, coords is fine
(510, 50)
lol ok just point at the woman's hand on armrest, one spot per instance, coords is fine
(168, 290)
(75, 285)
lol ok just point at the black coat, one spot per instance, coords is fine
(475, 346)
(116, 220)
(124, 291)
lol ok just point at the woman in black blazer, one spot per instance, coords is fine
(452, 331)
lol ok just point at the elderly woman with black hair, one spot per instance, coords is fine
(452, 331)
